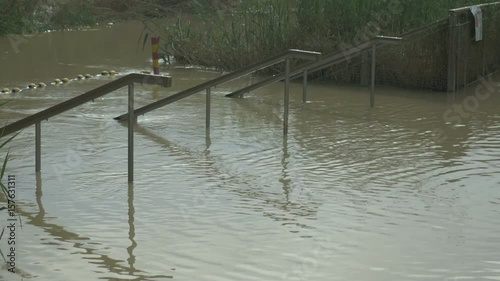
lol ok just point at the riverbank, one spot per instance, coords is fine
(32, 16)
(230, 34)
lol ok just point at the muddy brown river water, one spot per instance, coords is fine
(409, 190)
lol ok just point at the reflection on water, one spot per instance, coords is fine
(352, 193)
(131, 232)
(84, 245)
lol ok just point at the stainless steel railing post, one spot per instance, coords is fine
(287, 95)
(38, 147)
(131, 123)
(372, 89)
(304, 85)
(207, 125)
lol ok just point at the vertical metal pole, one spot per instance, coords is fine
(207, 111)
(452, 51)
(304, 90)
(372, 91)
(465, 64)
(459, 52)
(156, 56)
(287, 96)
(484, 61)
(131, 121)
(365, 69)
(38, 147)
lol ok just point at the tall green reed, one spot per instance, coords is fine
(234, 39)
(258, 28)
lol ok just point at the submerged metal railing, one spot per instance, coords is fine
(283, 57)
(324, 62)
(318, 63)
(128, 80)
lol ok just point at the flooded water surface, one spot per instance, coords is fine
(408, 190)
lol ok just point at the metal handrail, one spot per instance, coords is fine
(318, 64)
(292, 53)
(467, 8)
(164, 81)
(127, 80)
(324, 62)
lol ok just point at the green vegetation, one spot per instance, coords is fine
(229, 34)
(11, 13)
(29, 16)
(74, 14)
(253, 29)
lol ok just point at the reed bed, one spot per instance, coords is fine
(254, 29)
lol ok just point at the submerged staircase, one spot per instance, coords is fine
(317, 63)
